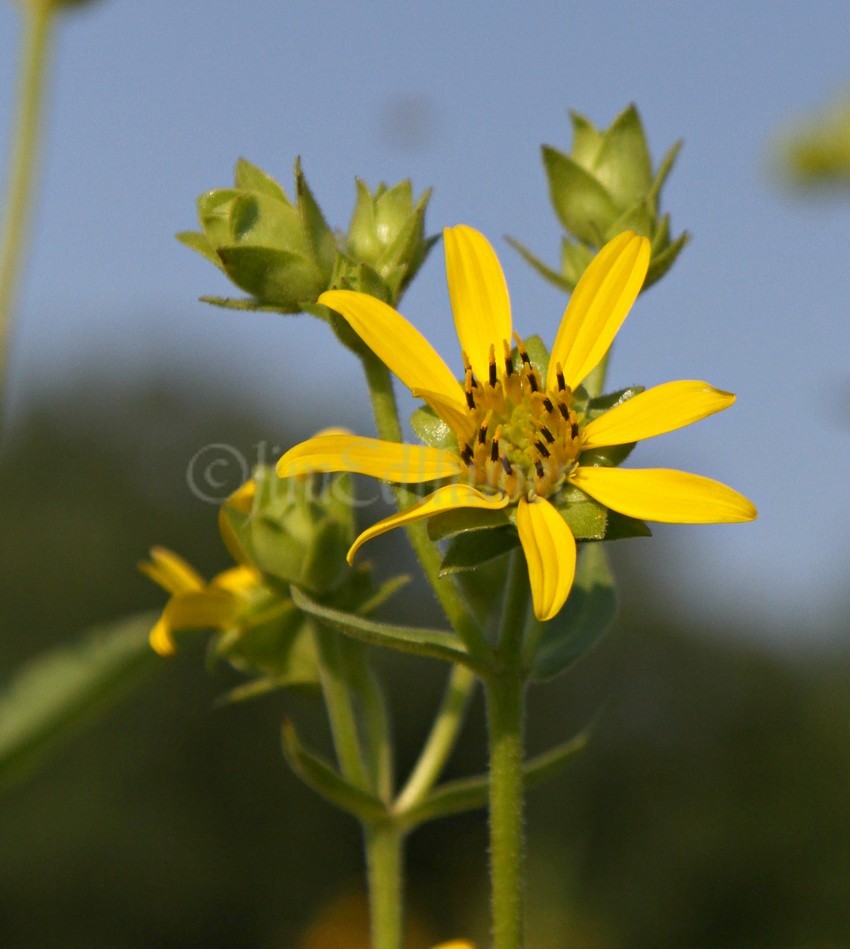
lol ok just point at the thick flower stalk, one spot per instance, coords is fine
(520, 439)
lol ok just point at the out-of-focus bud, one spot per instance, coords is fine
(281, 252)
(815, 152)
(605, 186)
(387, 236)
(279, 532)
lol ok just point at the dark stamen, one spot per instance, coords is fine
(493, 377)
(532, 379)
(547, 434)
(494, 450)
(559, 375)
(538, 467)
(470, 398)
(574, 431)
(466, 455)
(544, 451)
(547, 404)
(509, 363)
(506, 464)
(564, 411)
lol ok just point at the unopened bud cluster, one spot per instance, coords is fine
(605, 186)
(284, 254)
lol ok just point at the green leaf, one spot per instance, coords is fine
(61, 689)
(327, 781)
(463, 519)
(583, 205)
(622, 527)
(214, 215)
(432, 430)
(663, 261)
(473, 548)
(589, 612)
(470, 794)
(432, 643)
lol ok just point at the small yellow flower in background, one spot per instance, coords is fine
(194, 603)
(519, 436)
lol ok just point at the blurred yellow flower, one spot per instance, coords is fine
(194, 603)
(518, 438)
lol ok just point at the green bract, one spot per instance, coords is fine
(283, 253)
(604, 187)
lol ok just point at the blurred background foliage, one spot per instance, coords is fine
(710, 809)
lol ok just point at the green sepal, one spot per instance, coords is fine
(322, 239)
(537, 353)
(248, 304)
(589, 611)
(583, 205)
(623, 163)
(462, 519)
(214, 215)
(278, 643)
(622, 527)
(469, 550)
(326, 781)
(545, 271)
(432, 430)
(430, 643)
(611, 456)
(601, 404)
(587, 519)
(274, 276)
(63, 688)
(248, 177)
(471, 794)
(199, 243)
(663, 260)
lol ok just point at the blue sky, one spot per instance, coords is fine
(153, 102)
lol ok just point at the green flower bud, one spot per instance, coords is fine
(387, 237)
(282, 253)
(604, 187)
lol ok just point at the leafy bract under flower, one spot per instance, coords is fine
(522, 441)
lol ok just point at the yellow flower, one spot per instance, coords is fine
(195, 604)
(519, 435)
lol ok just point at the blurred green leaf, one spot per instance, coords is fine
(471, 549)
(589, 612)
(60, 689)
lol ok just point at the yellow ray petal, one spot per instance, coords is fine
(550, 550)
(455, 944)
(237, 580)
(459, 421)
(659, 494)
(395, 341)
(598, 305)
(389, 461)
(171, 571)
(479, 297)
(161, 640)
(661, 409)
(443, 499)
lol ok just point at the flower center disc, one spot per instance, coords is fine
(522, 440)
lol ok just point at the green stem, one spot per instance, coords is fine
(23, 160)
(342, 718)
(385, 869)
(441, 740)
(505, 693)
(385, 410)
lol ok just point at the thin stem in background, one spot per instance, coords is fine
(23, 164)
